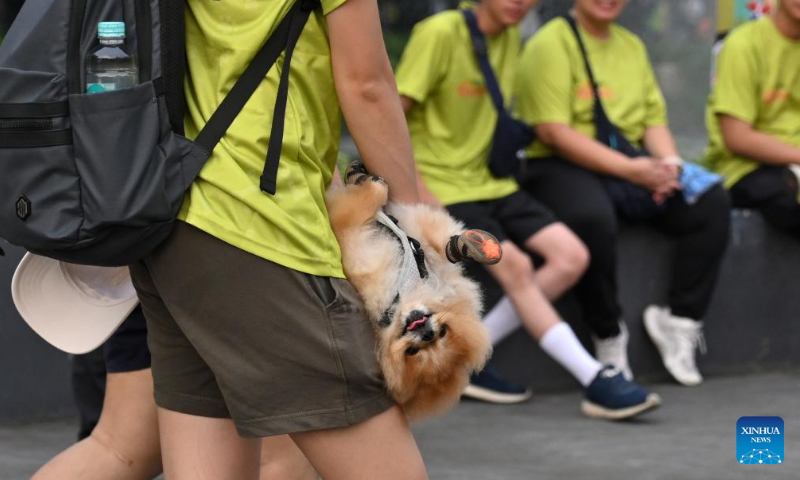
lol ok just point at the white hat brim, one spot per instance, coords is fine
(60, 314)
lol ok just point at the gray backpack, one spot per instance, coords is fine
(99, 179)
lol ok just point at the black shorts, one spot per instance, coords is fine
(126, 350)
(516, 217)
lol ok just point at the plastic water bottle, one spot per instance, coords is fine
(110, 66)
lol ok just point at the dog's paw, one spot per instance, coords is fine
(475, 245)
(357, 174)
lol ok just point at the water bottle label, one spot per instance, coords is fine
(99, 88)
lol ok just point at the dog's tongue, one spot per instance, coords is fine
(415, 324)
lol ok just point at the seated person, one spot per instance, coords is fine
(569, 170)
(753, 116)
(451, 119)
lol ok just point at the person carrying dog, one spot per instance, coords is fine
(605, 151)
(252, 328)
(753, 116)
(452, 120)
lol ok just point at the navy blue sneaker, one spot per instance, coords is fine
(489, 386)
(611, 397)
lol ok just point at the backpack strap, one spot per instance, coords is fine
(480, 48)
(283, 38)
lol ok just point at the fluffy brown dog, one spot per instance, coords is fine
(426, 313)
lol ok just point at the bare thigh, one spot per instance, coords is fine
(204, 448)
(381, 447)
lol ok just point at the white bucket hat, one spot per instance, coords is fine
(74, 307)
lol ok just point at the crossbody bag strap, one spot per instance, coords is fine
(595, 87)
(283, 38)
(480, 47)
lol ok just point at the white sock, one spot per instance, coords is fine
(501, 321)
(564, 347)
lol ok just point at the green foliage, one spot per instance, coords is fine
(395, 44)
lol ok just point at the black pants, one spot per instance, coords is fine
(125, 351)
(773, 192)
(88, 389)
(578, 198)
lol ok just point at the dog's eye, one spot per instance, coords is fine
(412, 351)
(443, 331)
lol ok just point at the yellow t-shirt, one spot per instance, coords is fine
(453, 121)
(553, 86)
(758, 81)
(290, 228)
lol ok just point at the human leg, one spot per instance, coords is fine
(200, 448)
(381, 447)
(565, 259)
(515, 273)
(124, 445)
(296, 357)
(88, 388)
(608, 394)
(281, 459)
(701, 231)
(773, 191)
(579, 199)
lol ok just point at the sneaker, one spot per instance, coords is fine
(614, 351)
(475, 245)
(488, 386)
(611, 397)
(676, 339)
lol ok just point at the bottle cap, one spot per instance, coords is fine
(111, 30)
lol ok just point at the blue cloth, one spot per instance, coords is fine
(696, 181)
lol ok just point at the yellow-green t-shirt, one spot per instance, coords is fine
(290, 228)
(553, 86)
(757, 81)
(454, 119)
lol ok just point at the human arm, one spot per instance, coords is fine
(593, 155)
(368, 95)
(407, 103)
(659, 142)
(742, 139)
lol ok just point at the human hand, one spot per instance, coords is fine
(649, 173)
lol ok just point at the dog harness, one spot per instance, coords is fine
(412, 256)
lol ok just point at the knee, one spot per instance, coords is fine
(140, 459)
(596, 227)
(516, 268)
(716, 207)
(571, 262)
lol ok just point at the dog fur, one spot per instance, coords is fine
(424, 377)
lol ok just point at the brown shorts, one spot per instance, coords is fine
(234, 335)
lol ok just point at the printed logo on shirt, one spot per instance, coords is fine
(759, 441)
(775, 95)
(585, 92)
(470, 88)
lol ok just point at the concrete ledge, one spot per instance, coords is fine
(752, 324)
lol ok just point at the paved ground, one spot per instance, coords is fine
(691, 437)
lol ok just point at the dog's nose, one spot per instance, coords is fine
(427, 333)
(415, 315)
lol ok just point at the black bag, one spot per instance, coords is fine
(511, 136)
(99, 179)
(631, 201)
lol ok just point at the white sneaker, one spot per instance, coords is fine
(614, 351)
(677, 339)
